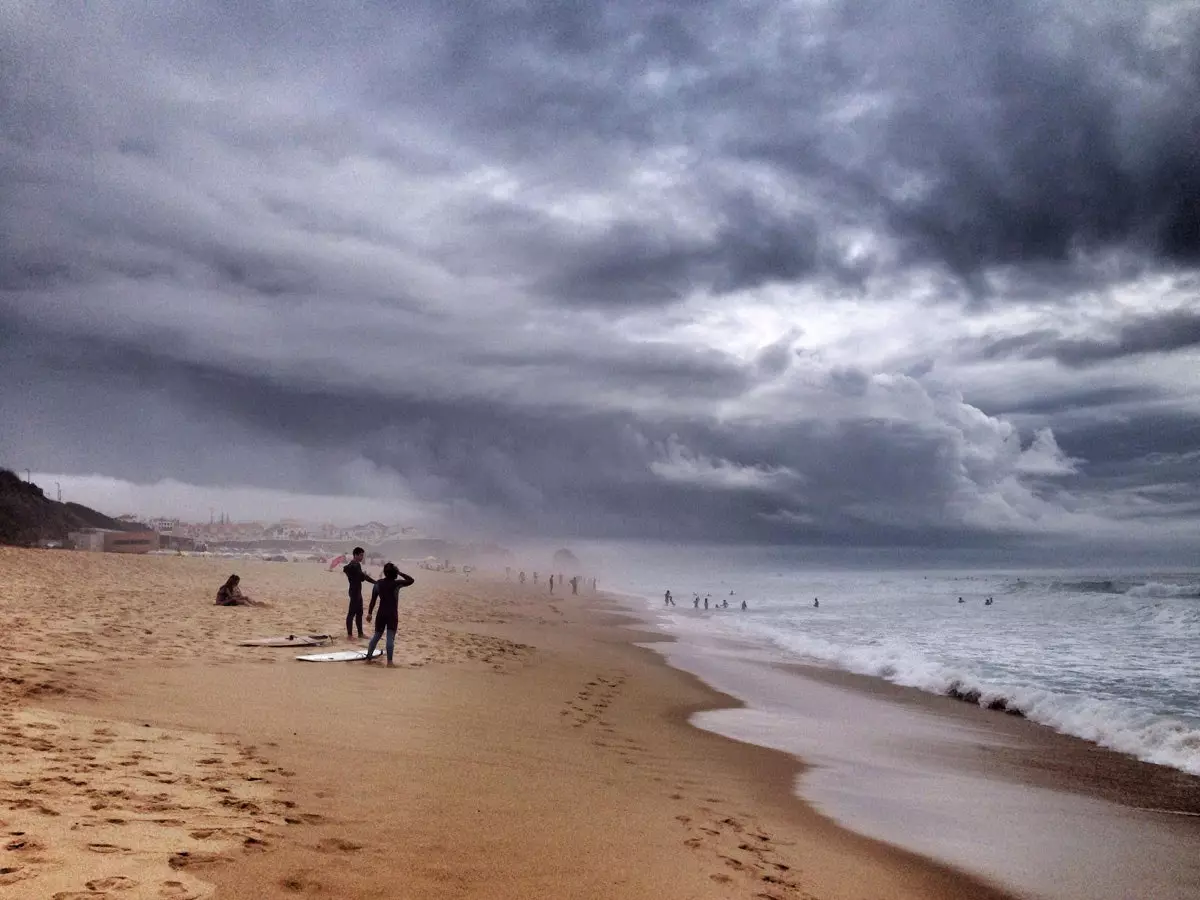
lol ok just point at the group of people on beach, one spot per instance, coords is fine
(575, 581)
(385, 592)
(669, 600)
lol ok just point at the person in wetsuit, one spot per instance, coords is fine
(355, 576)
(389, 609)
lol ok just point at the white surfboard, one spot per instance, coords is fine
(291, 640)
(335, 656)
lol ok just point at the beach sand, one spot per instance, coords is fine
(523, 747)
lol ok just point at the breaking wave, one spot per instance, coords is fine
(1158, 739)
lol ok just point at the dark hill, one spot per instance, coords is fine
(28, 516)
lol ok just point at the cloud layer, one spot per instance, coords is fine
(808, 272)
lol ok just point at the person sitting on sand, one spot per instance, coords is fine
(229, 594)
(389, 611)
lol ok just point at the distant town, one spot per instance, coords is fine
(222, 530)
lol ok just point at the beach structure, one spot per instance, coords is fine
(103, 540)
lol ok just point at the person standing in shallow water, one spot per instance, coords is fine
(355, 575)
(389, 610)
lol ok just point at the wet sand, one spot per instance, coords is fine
(523, 747)
(1046, 814)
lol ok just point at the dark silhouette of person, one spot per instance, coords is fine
(355, 576)
(388, 593)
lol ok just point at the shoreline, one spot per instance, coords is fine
(1032, 775)
(526, 746)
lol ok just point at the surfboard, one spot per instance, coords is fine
(291, 640)
(335, 656)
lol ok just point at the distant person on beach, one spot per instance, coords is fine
(575, 585)
(355, 576)
(229, 594)
(695, 601)
(960, 600)
(535, 577)
(389, 610)
(706, 601)
(552, 584)
(743, 604)
(816, 603)
(522, 578)
(668, 600)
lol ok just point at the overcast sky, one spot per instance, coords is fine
(817, 272)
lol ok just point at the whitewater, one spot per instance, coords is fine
(1109, 657)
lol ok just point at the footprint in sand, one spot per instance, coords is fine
(176, 890)
(13, 874)
(337, 845)
(186, 859)
(107, 848)
(111, 883)
(300, 883)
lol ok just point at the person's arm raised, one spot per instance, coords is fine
(406, 580)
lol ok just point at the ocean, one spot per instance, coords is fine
(1111, 657)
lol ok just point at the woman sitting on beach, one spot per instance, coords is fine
(229, 594)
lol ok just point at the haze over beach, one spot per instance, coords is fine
(894, 305)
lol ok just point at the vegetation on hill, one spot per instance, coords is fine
(28, 517)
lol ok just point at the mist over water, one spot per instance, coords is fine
(1106, 656)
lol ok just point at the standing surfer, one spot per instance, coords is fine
(355, 576)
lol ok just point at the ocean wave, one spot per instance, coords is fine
(1159, 590)
(1118, 726)
(1093, 586)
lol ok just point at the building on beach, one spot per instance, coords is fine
(102, 540)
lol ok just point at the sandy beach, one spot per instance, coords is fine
(523, 747)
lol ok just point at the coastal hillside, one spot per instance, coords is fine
(28, 517)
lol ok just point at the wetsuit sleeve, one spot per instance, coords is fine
(406, 580)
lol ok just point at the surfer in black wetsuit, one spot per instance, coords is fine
(356, 576)
(389, 609)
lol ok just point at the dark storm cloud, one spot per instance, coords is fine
(1087, 399)
(458, 243)
(1156, 334)
(980, 134)
(962, 134)
(875, 480)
